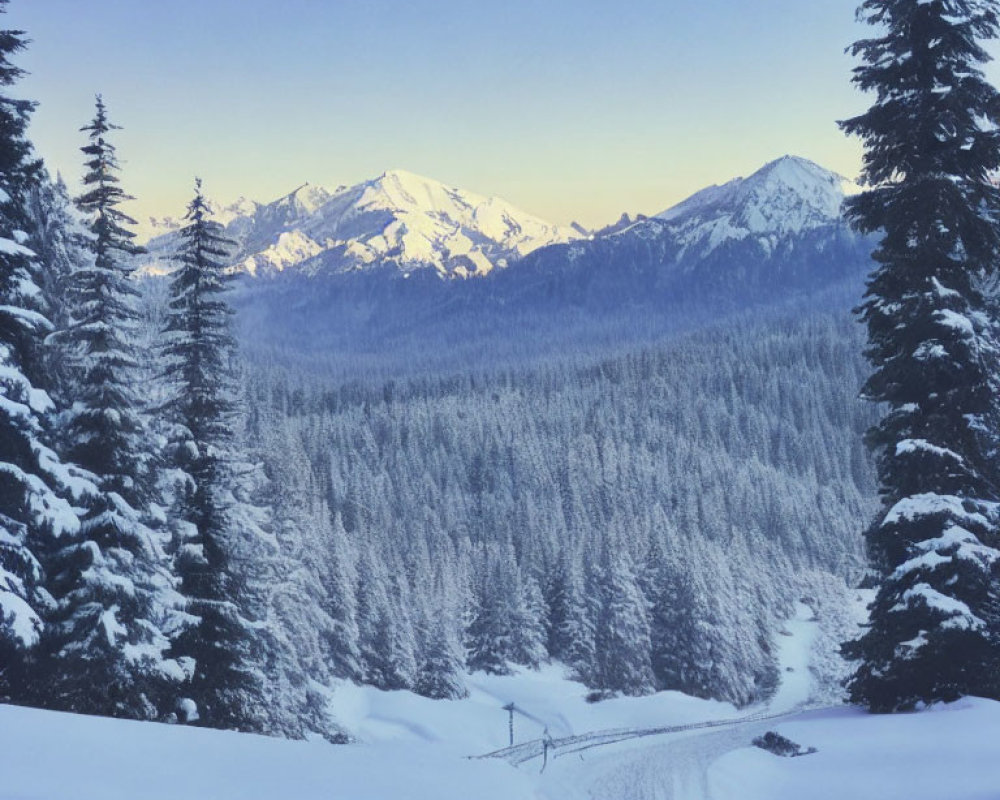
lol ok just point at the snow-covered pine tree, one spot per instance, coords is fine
(103, 651)
(106, 433)
(571, 626)
(529, 621)
(226, 689)
(34, 485)
(931, 145)
(443, 659)
(339, 579)
(386, 638)
(58, 238)
(309, 636)
(440, 675)
(678, 653)
(621, 633)
(508, 621)
(489, 639)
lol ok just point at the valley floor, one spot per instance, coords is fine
(411, 748)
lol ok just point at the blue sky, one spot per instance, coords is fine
(572, 110)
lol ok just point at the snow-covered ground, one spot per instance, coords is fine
(49, 756)
(947, 753)
(411, 748)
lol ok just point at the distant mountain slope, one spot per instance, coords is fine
(787, 196)
(778, 231)
(773, 238)
(398, 219)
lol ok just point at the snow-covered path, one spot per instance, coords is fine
(676, 767)
(671, 763)
(794, 652)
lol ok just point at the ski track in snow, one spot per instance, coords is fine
(676, 769)
(664, 771)
(613, 765)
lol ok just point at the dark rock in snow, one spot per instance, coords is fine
(781, 746)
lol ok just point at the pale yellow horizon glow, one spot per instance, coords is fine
(575, 111)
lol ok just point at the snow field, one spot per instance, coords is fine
(946, 753)
(53, 756)
(478, 724)
(412, 748)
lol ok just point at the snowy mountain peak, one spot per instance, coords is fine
(399, 218)
(818, 192)
(306, 199)
(427, 223)
(403, 177)
(399, 190)
(787, 196)
(793, 168)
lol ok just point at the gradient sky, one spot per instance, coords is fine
(569, 109)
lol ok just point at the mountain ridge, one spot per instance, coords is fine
(399, 219)
(789, 195)
(775, 233)
(409, 222)
(637, 279)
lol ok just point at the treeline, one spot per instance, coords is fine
(133, 553)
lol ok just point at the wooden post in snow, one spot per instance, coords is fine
(509, 708)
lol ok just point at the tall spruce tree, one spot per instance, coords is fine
(226, 687)
(931, 146)
(106, 433)
(58, 238)
(621, 631)
(34, 485)
(443, 660)
(571, 626)
(105, 642)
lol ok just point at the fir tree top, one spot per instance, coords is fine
(199, 342)
(104, 194)
(931, 139)
(15, 149)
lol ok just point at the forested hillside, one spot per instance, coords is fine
(646, 517)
